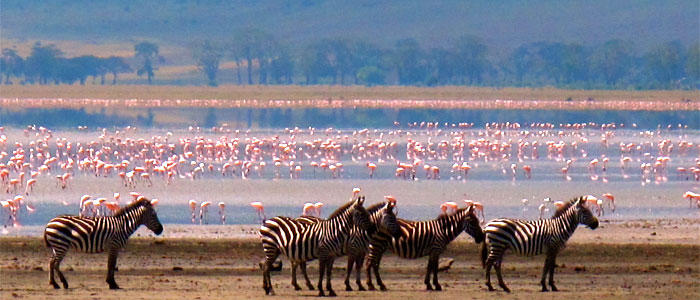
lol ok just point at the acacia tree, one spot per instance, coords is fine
(148, 54)
(116, 65)
(42, 63)
(208, 57)
(11, 64)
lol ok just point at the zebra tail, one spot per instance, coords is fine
(484, 254)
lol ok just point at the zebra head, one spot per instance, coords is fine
(150, 218)
(388, 221)
(360, 217)
(585, 216)
(472, 226)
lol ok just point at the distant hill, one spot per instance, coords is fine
(501, 24)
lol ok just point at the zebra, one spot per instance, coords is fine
(424, 238)
(382, 215)
(324, 240)
(97, 234)
(530, 238)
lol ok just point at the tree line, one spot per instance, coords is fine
(259, 58)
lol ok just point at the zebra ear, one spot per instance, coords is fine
(361, 200)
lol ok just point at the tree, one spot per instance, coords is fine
(11, 64)
(666, 64)
(116, 65)
(409, 62)
(208, 57)
(281, 65)
(371, 76)
(692, 66)
(612, 61)
(470, 59)
(250, 44)
(148, 54)
(42, 63)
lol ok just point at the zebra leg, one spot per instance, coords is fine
(436, 284)
(306, 276)
(358, 273)
(552, 265)
(57, 268)
(428, 271)
(329, 287)
(322, 271)
(382, 287)
(488, 275)
(52, 281)
(545, 270)
(271, 255)
(500, 278)
(294, 276)
(111, 263)
(351, 262)
(368, 269)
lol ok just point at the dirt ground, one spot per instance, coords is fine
(644, 260)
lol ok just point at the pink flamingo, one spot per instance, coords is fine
(611, 201)
(193, 207)
(203, 209)
(222, 212)
(448, 208)
(317, 209)
(260, 210)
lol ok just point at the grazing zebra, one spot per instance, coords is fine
(384, 218)
(324, 240)
(531, 238)
(97, 234)
(425, 238)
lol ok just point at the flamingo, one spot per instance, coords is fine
(83, 201)
(193, 208)
(260, 210)
(222, 212)
(448, 208)
(317, 209)
(611, 201)
(308, 209)
(203, 209)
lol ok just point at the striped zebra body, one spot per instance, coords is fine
(530, 238)
(419, 239)
(382, 216)
(96, 235)
(300, 242)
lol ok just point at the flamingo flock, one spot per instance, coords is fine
(37, 157)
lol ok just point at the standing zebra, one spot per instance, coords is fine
(382, 216)
(530, 238)
(425, 238)
(324, 240)
(95, 235)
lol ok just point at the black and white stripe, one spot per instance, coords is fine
(384, 218)
(529, 238)
(95, 235)
(425, 238)
(324, 240)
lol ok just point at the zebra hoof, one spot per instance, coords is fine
(311, 287)
(114, 287)
(491, 289)
(429, 287)
(438, 287)
(348, 288)
(55, 285)
(554, 288)
(360, 287)
(383, 288)
(331, 293)
(297, 288)
(65, 285)
(371, 287)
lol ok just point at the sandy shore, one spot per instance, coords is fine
(646, 259)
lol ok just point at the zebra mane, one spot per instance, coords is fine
(560, 211)
(133, 206)
(341, 209)
(375, 207)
